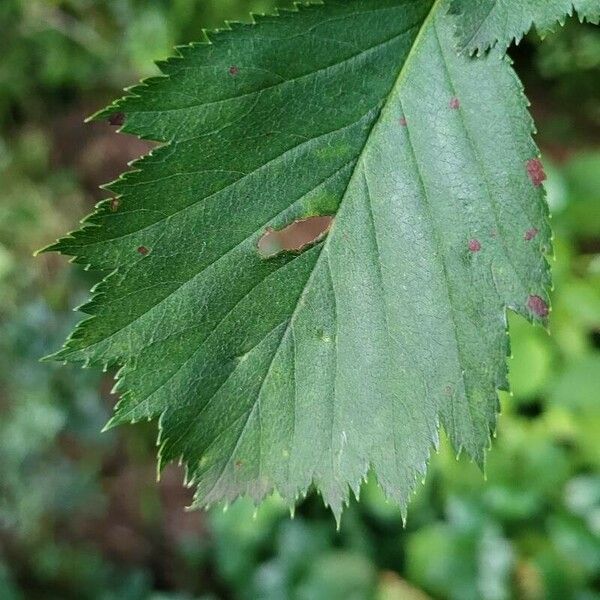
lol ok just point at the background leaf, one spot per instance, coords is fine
(482, 24)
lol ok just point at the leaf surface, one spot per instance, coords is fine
(314, 366)
(482, 24)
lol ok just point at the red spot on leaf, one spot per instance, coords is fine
(114, 204)
(530, 234)
(474, 245)
(233, 70)
(455, 104)
(535, 170)
(403, 122)
(116, 119)
(143, 251)
(537, 306)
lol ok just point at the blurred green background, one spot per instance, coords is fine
(81, 515)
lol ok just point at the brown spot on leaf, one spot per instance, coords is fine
(117, 119)
(455, 104)
(114, 204)
(536, 173)
(538, 306)
(233, 70)
(238, 464)
(403, 122)
(143, 251)
(531, 233)
(474, 245)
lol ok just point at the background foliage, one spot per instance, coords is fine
(80, 513)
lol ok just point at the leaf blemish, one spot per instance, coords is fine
(143, 251)
(233, 70)
(455, 104)
(116, 119)
(474, 245)
(538, 306)
(296, 237)
(403, 122)
(530, 234)
(114, 204)
(536, 173)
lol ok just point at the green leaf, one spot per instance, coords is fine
(482, 24)
(314, 366)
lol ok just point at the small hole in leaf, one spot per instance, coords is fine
(295, 237)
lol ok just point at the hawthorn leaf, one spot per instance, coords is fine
(482, 24)
(313, 367)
